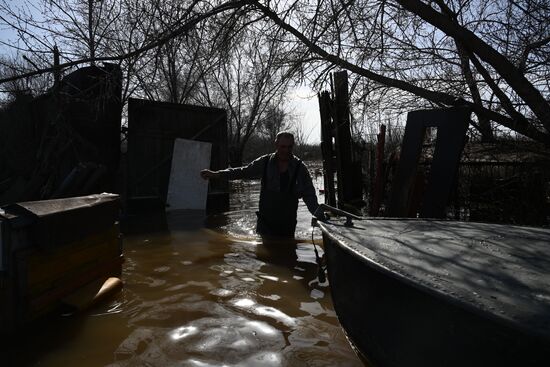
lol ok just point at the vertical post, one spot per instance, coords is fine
(327, 148)
(91, 40)
(370, 187)
(56, 70)
(378, 191)
(343, 138)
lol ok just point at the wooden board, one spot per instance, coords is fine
(186, 189)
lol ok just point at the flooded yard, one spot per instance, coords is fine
(202, 292)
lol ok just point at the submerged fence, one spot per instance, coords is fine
(494, 183)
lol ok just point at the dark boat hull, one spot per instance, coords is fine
(392, 322)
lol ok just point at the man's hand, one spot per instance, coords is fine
(207, 174)
(320, 214)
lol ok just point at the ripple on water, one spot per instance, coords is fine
(251, 306)
(111, 309)
(266, 359)
(212, 341)
(316, 294)
(244, 302)
(273, 297)
(312, 308)
(176, 287)
(270, 277)
(183, 332)
(162, 269)
(185, 303)
(220, 292)
(313, 344)
(151, 282)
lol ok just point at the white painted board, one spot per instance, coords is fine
(186, 188)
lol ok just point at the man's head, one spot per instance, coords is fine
(284, 142)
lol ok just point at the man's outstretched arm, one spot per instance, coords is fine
(208, 174)
(253, 170)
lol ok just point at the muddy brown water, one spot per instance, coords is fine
(201, 291)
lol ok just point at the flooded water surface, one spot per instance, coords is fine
(203, 292)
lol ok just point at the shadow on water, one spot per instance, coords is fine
(156, 221)
(278, 252)
(201, 291)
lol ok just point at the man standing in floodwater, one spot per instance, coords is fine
(285, 179)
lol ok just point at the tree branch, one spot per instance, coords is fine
(151, 45)
(513, 76)
(433, 96)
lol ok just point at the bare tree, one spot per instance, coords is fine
(248, 80)
(276, 119)
(11, 66)
(491, 56)
(84, 28)
(449, 53)
(140, 42)
(171, 71)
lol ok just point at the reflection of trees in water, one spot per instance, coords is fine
(244, 194)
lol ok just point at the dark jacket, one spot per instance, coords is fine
(303, 187)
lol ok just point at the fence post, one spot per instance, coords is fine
(327, 148)
(378, 191)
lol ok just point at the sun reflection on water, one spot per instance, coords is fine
(183, 332)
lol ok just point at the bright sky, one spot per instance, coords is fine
(305, 105)
(6, 35)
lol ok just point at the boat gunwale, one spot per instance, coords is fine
(468, 304)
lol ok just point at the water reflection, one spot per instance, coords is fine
(202, 292)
